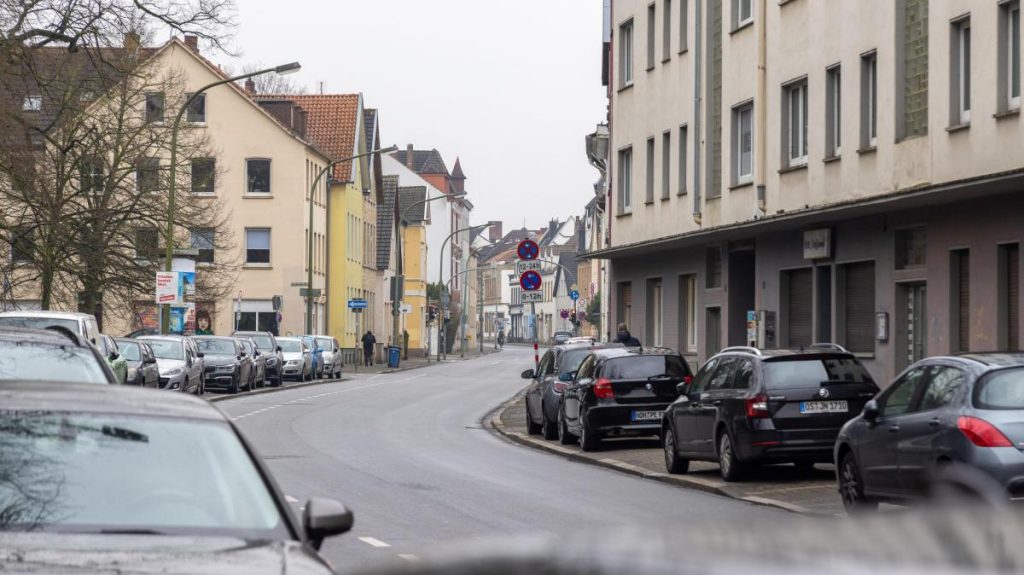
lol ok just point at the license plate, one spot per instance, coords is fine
(824, 406)
(652, 415)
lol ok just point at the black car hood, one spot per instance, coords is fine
(211, 359)
(62, 554)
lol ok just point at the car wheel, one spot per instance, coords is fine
(531, 427)
(280, 381)
(234, 386)
(548, 428)
(589, 441)
(851, 487)
(564, 437)
(731, 468)
(673, 463)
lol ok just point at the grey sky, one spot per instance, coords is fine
(510, 87)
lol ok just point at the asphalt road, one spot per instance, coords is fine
(408, 454)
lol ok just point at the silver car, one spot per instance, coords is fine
(82, 324)
(331, 355)
(961, 414)
(298, 358)
(180, 366)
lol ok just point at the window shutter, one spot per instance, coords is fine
(860, 307)
(1013, 297)
(798, 308)
(963, 271)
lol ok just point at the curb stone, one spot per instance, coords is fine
(493, 421)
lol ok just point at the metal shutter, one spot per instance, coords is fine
(798, 308)
(860, 307)
(963, 287)
(1013, 297)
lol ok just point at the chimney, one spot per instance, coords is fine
(495, 232)
(408, 158)
(301, 118)
(192, 42)
(250, 86)
(132, 42)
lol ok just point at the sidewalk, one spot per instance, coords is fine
(782, 486)
(415, 362)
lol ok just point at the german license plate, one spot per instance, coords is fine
(840, 406)
(646, 415)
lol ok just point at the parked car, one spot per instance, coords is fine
(582, 339)
(83, 324)
(110, 352)
(561, 337)
(267, 344)
(180, 369)
(227, 364)
(555, 372)
(200, 357)
(142, 369)
(141, 332)
(258, 360)
(620, 392)
(54, 354)
(747, 406)
(940, 412)
(332, 356)
(298, 359)
(318, 355)
(119, 482)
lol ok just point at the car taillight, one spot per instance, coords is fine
(687, 379)
(757, 407)
(603, 389)
(981, 432)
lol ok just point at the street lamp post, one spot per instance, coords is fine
(165, 316)
(309, 234)
(440, 274)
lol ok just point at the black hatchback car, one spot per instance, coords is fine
(748, 406)
(620, 392)
(556, 370)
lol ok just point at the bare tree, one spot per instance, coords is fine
(272, 83)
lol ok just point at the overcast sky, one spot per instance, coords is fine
(510, 87)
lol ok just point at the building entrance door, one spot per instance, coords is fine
(916, 327)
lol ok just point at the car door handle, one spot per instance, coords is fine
(935, 422)
(894, 428)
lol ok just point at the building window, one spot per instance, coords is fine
(197, 109)
(834, 112)
(147, 243)
(91, 175)
(32, 104)
(960, 72)
(1009, 296)
(257, 246)
(666, 165)
(23, 245)
(684, 24)
(257, 174)
(960, 292)
(147, 175)
(869, 100)
(683, 153)
(155, 107)
(626, 54)
(626, 180)
(912, 69)
(649, 182)
(713, 260)
(911, 248)
(203, 174)
(743, 144)
(655, 319)
(1009, 55)
(794, 114)
(742, 12)
(688, 313)
(202, 240)
(858, 292)
(650, 36)
(666, 31)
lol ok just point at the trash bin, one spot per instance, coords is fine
(394, 355)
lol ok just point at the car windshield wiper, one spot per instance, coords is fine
(131, 532)
(663, 376)
(125, 434)
(841, 382)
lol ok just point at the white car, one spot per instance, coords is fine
(82, 324)
(298, 359)
(331, 355)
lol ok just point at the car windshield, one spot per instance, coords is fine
(1003, 389)
(644, 366)
(571, 360)
(130, 351)
(32, 361)
(289, 346)
(39, 322)
(69, 472)
(799, 373)
(325, 343)
(262, 341)
(216, 346)
(166, 349)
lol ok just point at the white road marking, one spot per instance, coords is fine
(290, 499)
(373, 542)
(409, 557)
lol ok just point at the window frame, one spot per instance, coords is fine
(666, 30)
(193, 109)
(146, 168)
(213, 176)
(650, 164)
(150, 110)
(684, 152)
(739, 111)
(211, 240)
(22, 237)
(269, 250)
(1009, 51)
(625, 180)
(795, 94)
(32, 103)
(270, 178)
(834, 111)
(869, 100)
(960, 71)
(666, 164)
(626, 53)
(145, 254)
(652, 43)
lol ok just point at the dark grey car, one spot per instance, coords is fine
(142, 369)
(554, 373)
(227, 364)
(943, 412)
(258, 360)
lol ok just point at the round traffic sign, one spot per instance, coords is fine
(565, 314)
(528, 250)
(574, 295)
(581, 315)
(530, 281)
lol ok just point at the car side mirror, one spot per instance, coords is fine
(114, 355)
(279, 350)
(528, 374)
(682, 388)
(243, 354)
(336, 350)
(324, 518)
(871, 411)
(149, 360)
(200, 354)
(257, 353)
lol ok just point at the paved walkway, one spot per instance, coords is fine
(415, 362)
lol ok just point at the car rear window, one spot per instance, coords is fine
(130, 351)
(29, 361)
(39, 322)
(798, 373)
(1003, 389)
(571, 360)
(644, 366)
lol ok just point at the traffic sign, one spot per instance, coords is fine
(523, 266)
(533, 296)
(530, 281)
(528, 250)
(564, 313)
(581, 315)
(574, 295)
(358, 304)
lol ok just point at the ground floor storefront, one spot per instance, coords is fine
(892, 286)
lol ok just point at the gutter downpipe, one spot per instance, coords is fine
(697, 87)
(761, 104)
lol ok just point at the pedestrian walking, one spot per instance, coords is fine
(368, 342)
(626, 338)
(501, 339)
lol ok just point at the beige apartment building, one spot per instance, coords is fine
(785, 173)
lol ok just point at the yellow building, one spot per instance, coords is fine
(414, 258)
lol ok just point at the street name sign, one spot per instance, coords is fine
(533, 296)
(523, 266)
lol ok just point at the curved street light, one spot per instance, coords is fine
(440, 275)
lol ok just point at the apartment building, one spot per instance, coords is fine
(784, 173)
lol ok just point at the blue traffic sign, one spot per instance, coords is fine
(358, 304)
(530, 281)
(574, 295)
(528, 250)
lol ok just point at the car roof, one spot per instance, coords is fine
(176, 338)
(618, 352)
(585, 345)
(220, 337)
(129, 340)
(993, 358)
(41, 336)
(93, 398)
(295, 338)
(243, 332)
(53, 314)
(786, 354)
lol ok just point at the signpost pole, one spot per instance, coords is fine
(536, 354)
